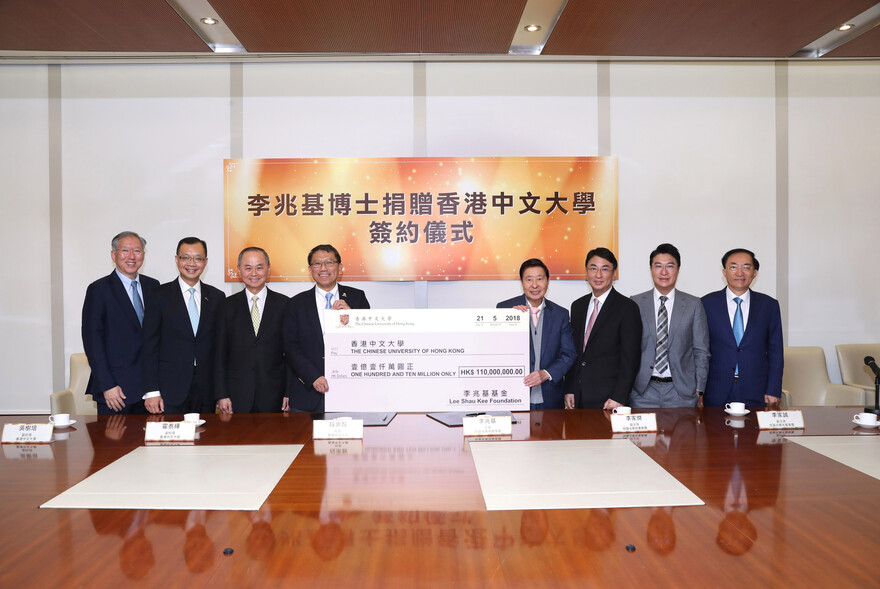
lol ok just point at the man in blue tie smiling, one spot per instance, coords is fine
(745, 337)
(304, 327)
(178, 337)
(112, 315)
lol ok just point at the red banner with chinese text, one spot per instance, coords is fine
(422, 218)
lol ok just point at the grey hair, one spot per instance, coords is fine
(115, 241)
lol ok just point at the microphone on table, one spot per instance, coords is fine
(870, 363)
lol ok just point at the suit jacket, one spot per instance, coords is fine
(249, 369)
(112, 337)
(759, 355)
(557, 349)
(170, 346)
(607, 368)
(304, 345)
(688, 344)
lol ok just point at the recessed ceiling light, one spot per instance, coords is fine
(209, 21)
(533, 28)
(845, 27)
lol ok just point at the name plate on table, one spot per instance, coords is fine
(487, 425)
(170, 431)
(27, 433)
(426, 360)
(633, 422)
(342, 428)
(780, 419)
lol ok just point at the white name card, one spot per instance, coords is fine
(27, 433)
(780, 419)
(341, 428)
(170, 431)
(487, 425)
(634, 422)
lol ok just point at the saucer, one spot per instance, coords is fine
(72, 421)
(866, 425)
(736, 413)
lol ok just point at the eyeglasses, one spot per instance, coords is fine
(668, 267)
(327, 264)
(744, 267)
(591, 269)
(125, 251)
(188, 259)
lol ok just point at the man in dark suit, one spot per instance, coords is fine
(551, 348)
(112, 336)
(745, 335)
(675, 339)
(178, 337)
(607, 332)
(304, 327)
(249, 368)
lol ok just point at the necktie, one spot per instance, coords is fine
(255, 314)
(592, 321)
(738, 329)
(136, 301)
(193, 310)
(329, 297)
(535, 311)
(661, 355)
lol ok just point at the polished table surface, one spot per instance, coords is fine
(404, 508)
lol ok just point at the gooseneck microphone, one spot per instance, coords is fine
(870, 363)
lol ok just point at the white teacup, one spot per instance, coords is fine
(622, 410)
(736, 407)
(866, 418)
(194, 417)
(737, 423)
(60, 419)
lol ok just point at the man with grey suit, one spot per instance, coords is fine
(675, 339)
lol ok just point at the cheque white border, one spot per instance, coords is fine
(421, 360)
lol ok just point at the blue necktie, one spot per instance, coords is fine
(738, 328)
(136, 301)
(329, 297)
(193, 310)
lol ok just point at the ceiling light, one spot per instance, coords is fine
(845, 27)
(209, 21)
(532, 28)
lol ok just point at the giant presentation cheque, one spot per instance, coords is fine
(422, 360)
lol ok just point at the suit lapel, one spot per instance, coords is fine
(312, 312)
(269, 312)
(121, 297)
(755, 311)
(679, 310)
(646, 306)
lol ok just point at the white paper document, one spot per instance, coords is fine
(574, 474)
(859, 452)
(422, 360)
(183, 477)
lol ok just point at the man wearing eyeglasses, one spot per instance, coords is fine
(304, 324)
(607, 332)
(112, 314)
(675, 339)
(178, 337)
(745, 337)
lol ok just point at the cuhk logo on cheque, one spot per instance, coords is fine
(343, 319)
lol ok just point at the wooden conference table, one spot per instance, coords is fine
(404, 508)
